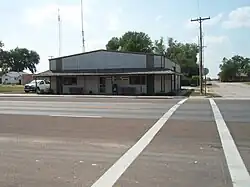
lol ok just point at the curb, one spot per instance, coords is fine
(92, 96)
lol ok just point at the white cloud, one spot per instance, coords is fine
(158, 18)
(191, 25)
(214, 20)
(96, 44)
(216, 47)
(215, 40)
(113, 20)
(238, 18)
(210, 40)
(214, 53)
(39, 16)
(211, 22)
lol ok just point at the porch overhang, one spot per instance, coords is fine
(56, 74)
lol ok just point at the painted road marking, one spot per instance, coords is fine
(74, 116)
(219, 98)
(35, 113)
(109, 178)
(237, 169)
(232, 98)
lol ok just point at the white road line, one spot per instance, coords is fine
(73, 116)
(237, 169)
(109, 178)
(34, 113)
(232, 98)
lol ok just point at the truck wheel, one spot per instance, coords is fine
(38, 91)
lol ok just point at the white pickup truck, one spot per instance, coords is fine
(39, 86)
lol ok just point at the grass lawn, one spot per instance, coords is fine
(11, 88)
(247, 83)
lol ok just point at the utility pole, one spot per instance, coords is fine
(83, 40)
(203, 47)
(200, 20)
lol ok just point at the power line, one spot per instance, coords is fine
(200, 20)
(198, 7)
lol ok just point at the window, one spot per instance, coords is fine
(41, 82)
(70, 80)
(137, 80)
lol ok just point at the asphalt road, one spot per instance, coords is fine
(232, 90)
(95, 108)
(81, 142)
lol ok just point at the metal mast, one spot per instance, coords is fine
(59, 33)
(83, 40)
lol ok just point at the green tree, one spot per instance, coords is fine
(2, 58)
(1, 44)
(22, 58)
(234, 68)
(1, 51)
(181, 53)
(132, 42)
(229, 69)
(4, 62)
(113, 44)
(185, 54)
(159, 47)
(19, 59)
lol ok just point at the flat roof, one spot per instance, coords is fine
(54, 74)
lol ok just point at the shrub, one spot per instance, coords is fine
(195, 81)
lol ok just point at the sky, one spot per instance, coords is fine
(34, 25)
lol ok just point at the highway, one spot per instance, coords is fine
(94, 142)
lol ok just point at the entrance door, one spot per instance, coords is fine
(150, 84)
(59, 85)
(102, 84)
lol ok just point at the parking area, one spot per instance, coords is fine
(78, 142)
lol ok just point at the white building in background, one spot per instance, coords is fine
(12, 77)
(113, 72)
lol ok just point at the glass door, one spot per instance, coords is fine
(102, 84)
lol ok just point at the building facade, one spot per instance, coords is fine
(12, 77)
(113, 72)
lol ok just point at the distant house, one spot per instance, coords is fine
(13, 77)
